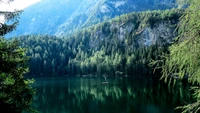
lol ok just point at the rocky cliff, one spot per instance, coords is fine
(135, 29)
(123, 46)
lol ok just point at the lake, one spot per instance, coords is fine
(111, 95)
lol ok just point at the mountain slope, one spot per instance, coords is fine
(106, 9)
(64, 17)
(122, 46)
(45, 16)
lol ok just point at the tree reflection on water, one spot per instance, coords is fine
(89, 95)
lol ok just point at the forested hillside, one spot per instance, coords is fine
(137, 51)
(64, 17)
(122, 46)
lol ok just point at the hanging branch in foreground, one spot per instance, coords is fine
(183, 60)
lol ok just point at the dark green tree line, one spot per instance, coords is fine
(99, 50)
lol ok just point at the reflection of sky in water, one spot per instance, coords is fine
(85, 95)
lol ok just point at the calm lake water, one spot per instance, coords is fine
(95, 95)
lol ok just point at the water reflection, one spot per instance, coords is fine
(86, 95)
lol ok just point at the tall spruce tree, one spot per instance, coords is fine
(16, 94)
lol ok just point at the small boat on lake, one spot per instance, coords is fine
(105, 82)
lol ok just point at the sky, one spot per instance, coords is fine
(17, 4)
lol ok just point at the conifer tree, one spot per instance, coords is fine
(16, 94)
(183, 60)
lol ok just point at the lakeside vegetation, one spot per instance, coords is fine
(99, 50)
(182, 60)
(105, 54)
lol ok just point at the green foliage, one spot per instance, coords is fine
(10, 17)
(183, 58)
(54, 56)
(99, 50)
(16, 93)
(194, 107)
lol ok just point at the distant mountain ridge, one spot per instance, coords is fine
(65, 17)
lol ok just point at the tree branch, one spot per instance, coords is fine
(6, 12)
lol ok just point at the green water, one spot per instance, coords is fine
(121, 95)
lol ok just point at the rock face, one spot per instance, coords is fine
(117, 47)
(161, 33)
(99, 10)
(65, 17)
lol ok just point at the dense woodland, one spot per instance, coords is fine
(104, 55)
(82, 54)
(52, 56)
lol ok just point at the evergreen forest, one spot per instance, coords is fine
(160, 45)
(98, 50)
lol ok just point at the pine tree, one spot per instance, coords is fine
(16, 94)
(8, 15)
